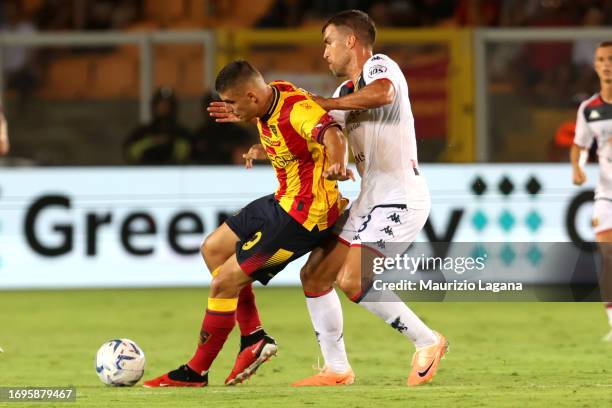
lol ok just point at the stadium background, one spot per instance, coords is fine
(494, 87)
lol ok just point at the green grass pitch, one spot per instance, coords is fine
(501, 354)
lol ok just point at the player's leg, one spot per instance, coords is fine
(602, 224)
(216, 249)
(604, 240)
(318, 276)
(391, 309)
(219, 321)
(354, 278)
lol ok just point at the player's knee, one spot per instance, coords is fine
(220, 285)
(209, 248)
(306, 275)
(350, 285)
(311, 282)
(216, 285)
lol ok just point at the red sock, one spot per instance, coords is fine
(246, 313)
(217, 325)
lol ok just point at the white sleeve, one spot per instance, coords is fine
(583, 136)
(338, 115)
(381, 67)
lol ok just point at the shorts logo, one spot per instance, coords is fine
(251, 243)
(376, 69)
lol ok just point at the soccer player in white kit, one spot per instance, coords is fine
(392, 207)
(594, 121)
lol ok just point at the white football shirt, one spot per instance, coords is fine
(594, 121)
(383, 142)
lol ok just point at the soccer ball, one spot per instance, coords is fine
(120, 362)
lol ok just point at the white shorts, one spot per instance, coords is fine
(602, 216)
(385, 223)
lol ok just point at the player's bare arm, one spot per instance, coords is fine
(374, 95)
(256, 152)
(336, 148)
(4, 141)
(578, 176)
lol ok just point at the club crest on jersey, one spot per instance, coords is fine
(376, 69)
(274, 130)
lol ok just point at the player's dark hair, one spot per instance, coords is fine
(358, 22)
(604, 44)
(234, 73)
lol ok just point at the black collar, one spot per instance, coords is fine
(275, 100)
(361, 82)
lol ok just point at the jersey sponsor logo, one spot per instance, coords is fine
(376, 69)
(251, 243)
(282, 161)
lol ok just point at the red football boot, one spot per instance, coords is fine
(250, 358)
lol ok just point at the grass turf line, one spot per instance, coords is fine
(502, 354)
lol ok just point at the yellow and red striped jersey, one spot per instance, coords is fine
(291, 133)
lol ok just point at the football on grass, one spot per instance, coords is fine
(120, 362)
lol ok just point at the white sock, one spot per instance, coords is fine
(609, 312)
(326, 315)
(389, 307)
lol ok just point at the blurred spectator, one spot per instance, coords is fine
(164, 140)
(19, 62)
(435, 12)
(284, 13)
(56, 15)
(107, 14)
(482, 13)
(219, 143)
(88, 14)
(587, 81)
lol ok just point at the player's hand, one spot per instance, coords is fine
(222, 112)
(4, 141)
(578, 176)
(256, 152)
(338, 172)
(325, 103)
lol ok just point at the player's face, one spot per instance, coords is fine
(242, 101)
(337, 52)
(603, 64)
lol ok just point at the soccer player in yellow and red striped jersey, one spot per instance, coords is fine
(309, 154)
